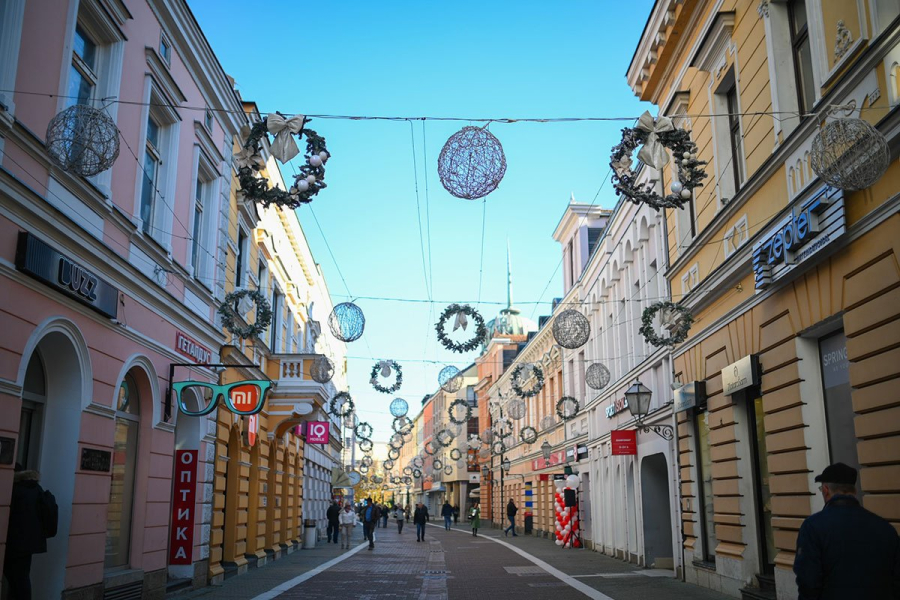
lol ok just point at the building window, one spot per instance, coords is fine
(734, 131)
(806, 94)
(570, 263)
(705, 511)
(240, 258)
(690, 280)
(594, 235)
(736, 236)
(263, 276)
(121, 491)
(203, 203)
(198, 227)
(152, 167)
(208, 120)
(165, 49)
(276, 321)
(838, 406)
(83, 77)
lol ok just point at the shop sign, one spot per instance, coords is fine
(7, 450)
(817, 222)
(618, 405)
(624, 443)
(689, 395)
(556, 458)
(251, 431)
(95, 460)
(559, 476)
(582, 453)
(317, 432)
(576, 453)
(49, 266)
(740, 375)
(191, 349)
(185, 489)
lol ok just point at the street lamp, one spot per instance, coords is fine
(638, 399)
(546, 450)
(505, 465)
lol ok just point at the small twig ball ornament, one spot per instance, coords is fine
(450, 379)
(399, 407)
(347, 322)
(83, 140)
(396, 441)
(471, 163)
(849, 154)
(322, 369)
(571, 329)
(487, 436)
(516, 409)
(547, 422)
(597, 376)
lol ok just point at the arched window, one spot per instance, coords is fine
(121, 491)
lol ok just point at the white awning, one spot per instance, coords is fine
(475, 493)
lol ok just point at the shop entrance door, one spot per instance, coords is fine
(762, 493)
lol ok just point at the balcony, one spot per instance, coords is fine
(295, 393)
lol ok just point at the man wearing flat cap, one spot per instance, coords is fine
(845, 551)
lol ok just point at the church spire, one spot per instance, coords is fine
(509, 294)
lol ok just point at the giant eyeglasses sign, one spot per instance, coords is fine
(198, 398)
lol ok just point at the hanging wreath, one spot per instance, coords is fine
(448, 470)
(430, 448)
(364, 431)
(656, 136)
(393, 454)
(674, 317)
(407, 470)
(263, 314)
(437, 464)
(516, 381)
(567, 408)
(341, 405)
(396, 441)
(455, 454)
(366, 460)
(443, 438)
(418, 462)
(503, 427)
(366, 445)
(528, 435)
(401, 424)
(383, 368)
(499, 447)
(453, 414)
(406, 480)
(417, 473)
(463, 312)
(310, 179)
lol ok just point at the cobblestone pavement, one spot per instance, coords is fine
(452, 565)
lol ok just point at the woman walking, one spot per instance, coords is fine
(475, 516)
(348, 520)
(400, 516)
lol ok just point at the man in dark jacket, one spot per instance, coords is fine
(447, 513)
(845, 551)
(334, 523)
(370, 516)
(25, 535)
(420, 517)
(511, 510)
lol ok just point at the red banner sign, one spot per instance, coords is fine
(624, 443)
(252, 430)
(557, 458)
(181, 543)
(190, 348)
(317, 432)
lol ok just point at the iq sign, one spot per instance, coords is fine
(317, 432)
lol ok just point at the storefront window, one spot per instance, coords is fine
(838, 404)
(704, 474)
(764, 495)
(121, 492)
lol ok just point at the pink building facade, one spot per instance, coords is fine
(107, 281)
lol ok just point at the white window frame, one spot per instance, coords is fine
(165, 40)
(878, 28)
(736, 236)
(690, 280)
(207, 179)
(723, 160)
(12, 15)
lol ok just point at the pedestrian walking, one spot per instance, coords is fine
(334, 525)
(371, 515)
(511, 510)
(455, 514)
(33, 517)
(420, 517)
(385, 513)
(399, 516)
(447, 513)
(348, 520)
(475, 518)
(845, 551)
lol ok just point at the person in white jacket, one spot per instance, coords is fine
(348, 520)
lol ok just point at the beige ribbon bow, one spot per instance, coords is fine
(654, 154)
(284, 148)
(385, 368)
(461, 321)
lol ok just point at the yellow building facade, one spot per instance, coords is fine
(794, 340)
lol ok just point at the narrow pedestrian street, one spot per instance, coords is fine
(451, 564)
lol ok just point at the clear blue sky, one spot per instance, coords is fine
(459, 59)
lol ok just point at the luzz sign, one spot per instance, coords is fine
(181, 543)
(317, 432)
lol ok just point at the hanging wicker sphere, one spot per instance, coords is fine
(597, 376)
(399, 407)
(516, 409)
(396, 441)
(83, 140)
(487, 436)
(347, 322)
(474, 442)
(547, 422)
(471, 163)
(571, 329)
(485, 452)
(450, 379)
(849, 154)
(351, 420)
(322, 369)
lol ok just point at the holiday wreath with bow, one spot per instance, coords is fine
(228, 313)
(463, 312)
(310, 179)
(383, 368)
(656, 136)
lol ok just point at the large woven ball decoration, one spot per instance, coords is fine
(487, 436)
(322, 369)
(399, 407)
(450, 379)
(597, 376)
(351, 420)
(396, 441)
(485, 452)
(347, 322)
(547, 422)
(83, 140)
(571, 329)
(516, 409)
(471, 163)
(849, 154)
